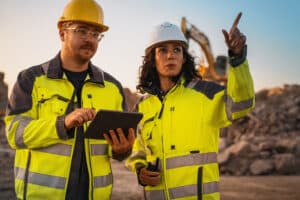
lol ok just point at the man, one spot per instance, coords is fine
(175, 153)
(48, 113)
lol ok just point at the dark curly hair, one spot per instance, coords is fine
(148, 76)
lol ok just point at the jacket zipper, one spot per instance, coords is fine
(162, 142)
(90, 169)
(161, 110)
(26, 175)
(199, 183)
(162, 148)
(87, 150)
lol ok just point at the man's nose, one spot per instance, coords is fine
(89, 37)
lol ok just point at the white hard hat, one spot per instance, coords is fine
(165, 32)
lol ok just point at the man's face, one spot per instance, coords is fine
(80, 41)
(169, 59)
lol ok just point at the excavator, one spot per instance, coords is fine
(208, 67)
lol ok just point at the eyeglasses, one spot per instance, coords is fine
(83, 33)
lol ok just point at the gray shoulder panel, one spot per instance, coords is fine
(208, 88)
(20, 99)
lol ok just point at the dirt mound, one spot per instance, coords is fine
(267, 141)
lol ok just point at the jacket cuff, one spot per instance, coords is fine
(61, 130)
(236, 60)
(122, 156)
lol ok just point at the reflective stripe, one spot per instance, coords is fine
(59, 149)
(192, 83)
(47, 180)
(23, 122)
(138, 155)
(210, 187)
(102, 181)
(242, 105)
(19, 173)
(191, 190)
(155, 194)
(41, 179)
(12, 122)
(232, 106)
(99, 149)
(183, 191)
(191, 159)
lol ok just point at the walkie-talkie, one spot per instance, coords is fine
(154, 167)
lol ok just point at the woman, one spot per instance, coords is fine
(175, 153)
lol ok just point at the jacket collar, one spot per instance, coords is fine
(53, 69)
(159, 93)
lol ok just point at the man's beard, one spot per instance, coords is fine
(86, 58)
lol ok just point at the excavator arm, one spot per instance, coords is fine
(207, 72)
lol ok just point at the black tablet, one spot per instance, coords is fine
(106, 120)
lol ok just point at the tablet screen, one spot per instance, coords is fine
(106, 120)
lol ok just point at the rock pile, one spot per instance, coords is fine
(3, 95)
(6, 167)
(267, 141)
(6, 154)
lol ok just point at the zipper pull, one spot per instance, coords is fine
(161, 111)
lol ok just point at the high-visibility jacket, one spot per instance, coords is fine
(182, 131)
(35, 128)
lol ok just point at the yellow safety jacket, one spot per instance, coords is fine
(35, 128)
(182, 131)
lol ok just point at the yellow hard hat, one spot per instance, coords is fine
(87, 11)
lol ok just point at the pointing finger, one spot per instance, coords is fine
(235, 23)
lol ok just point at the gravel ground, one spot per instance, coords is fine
(232, 187)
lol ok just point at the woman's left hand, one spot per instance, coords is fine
(235, 40)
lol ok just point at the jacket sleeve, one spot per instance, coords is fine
(239, 95)
(24, 128)
(137, 159)
(238, 98)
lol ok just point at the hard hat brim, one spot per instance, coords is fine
(102, 28)
(182, 43)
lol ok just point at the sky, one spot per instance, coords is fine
(29, 35)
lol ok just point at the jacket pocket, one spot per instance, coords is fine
(51, 103)
(147, 134)
(147, 127)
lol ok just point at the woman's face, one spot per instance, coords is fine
(169, 59)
